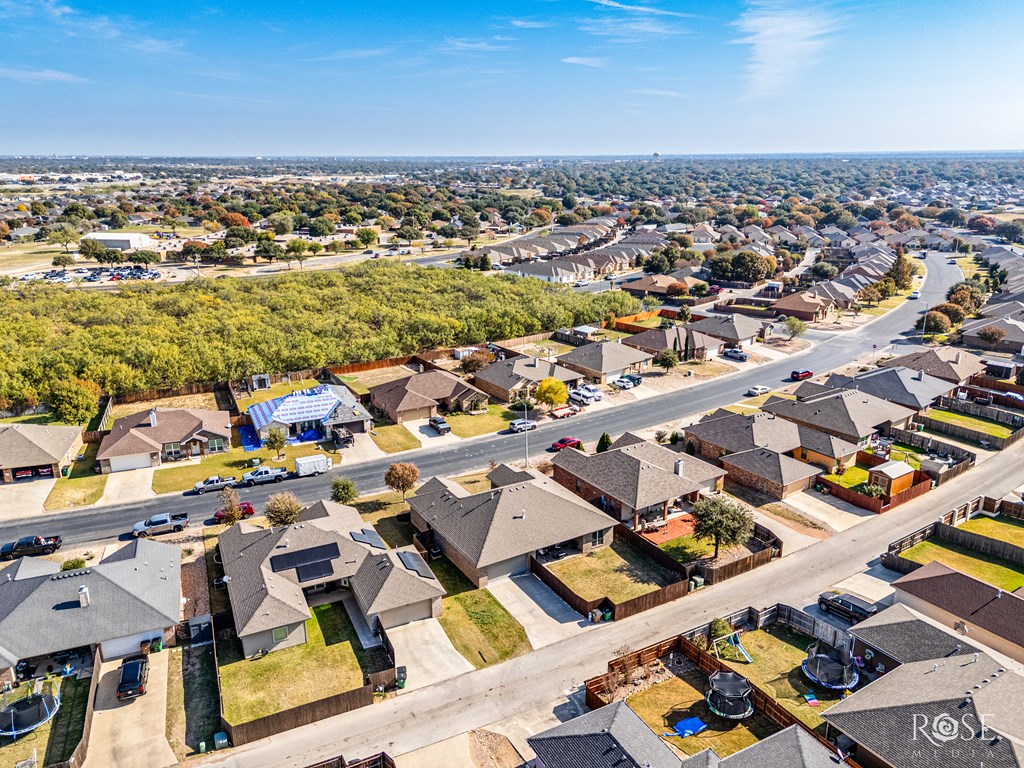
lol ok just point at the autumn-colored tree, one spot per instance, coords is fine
(869, 294)
(934, 322)
(282, 508)
(476, 361)
(902, 272)
(954, 312)
(230, 506)
(551, 392)
(402, 477)
(234, 220)
(992, 335)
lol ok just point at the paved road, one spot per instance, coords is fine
(832, 351)
(477, 699)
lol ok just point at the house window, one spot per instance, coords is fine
(172, 449)
(216, 444)
(280, 634)
(597, 538)
(578, 486)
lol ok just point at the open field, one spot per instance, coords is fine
(996, 571)
(617, 572)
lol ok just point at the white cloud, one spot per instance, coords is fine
(528, 24)
(619, 30)
(786, 37)
(352, 53)
(38, 75)
(645, 9)
(658, 92)
(463, 44)
(586, 61)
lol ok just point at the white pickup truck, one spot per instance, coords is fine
(264, 475)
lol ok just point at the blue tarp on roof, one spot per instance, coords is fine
(315, 404)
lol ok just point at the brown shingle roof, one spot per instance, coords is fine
(136, 434)
(422, 389)
(23, 445)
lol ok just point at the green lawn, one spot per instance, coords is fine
(55, 741)
(996, 571)
(34, 418)
(663, 705)
(985, 426)
(474, 482)
(381, 511)
(193, 711)
(686, 549)
(82, 487)
(495, 420)
(330, 662)
(276, 390)
(1003, 528)
(777, 653)
(480, 627)
(853, 476)
(392, 438)
(235, 462)
(617, 572)
(650, 322)
(903, 452)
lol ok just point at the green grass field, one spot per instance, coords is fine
(495, 420)
(82, 487)
(392, 438)
(996, 571)
(985, 426)
(1006, 529)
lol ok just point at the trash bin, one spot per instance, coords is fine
(920, 427)
(145, 647)
(220, 740)
(607, 615)
(157, 644)
(65, 471)
(401, 674)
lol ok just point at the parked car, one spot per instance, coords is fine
(758, 389)
(636, 378)
(914, 295)
(368, 252)
(610, 277)
(246, 508)
(22, 474)
(566, 442)
(439, 423)
(623, 383)
(736, 354)
(215, 483)
(800, 374)
(591, 390)
(164, 523)
(846, 606)
(30, 545)
(134, 676)
(580, 398)
(714, 289)
(264, 475)
(581, 283)
(522, 425)
(952, 261)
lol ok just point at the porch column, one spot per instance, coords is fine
(664, 511)
(636, 519)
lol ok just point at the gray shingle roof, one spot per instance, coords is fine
(771, 465)
(137, 434)
(422, 389)
(736, 432)
(24, 445)
(731, 328)
(910, 388)
(906, 636)
(679, 338)
(613, 736)
(509, 374)
(846, 413)
(792, 747)
(503, 474)
(953, 365)
(493, 526)
(605, 356)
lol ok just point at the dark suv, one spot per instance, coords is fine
(848, 607)
(134, 675)
(438, 423)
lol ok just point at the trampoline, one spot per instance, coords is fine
(729, 696)
(829, 667)
(28, 713)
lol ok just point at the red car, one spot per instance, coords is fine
(800, 374)
(566, 442)
(245, 506)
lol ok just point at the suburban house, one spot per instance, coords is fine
(494, 533)
(912, 389)
(605, 360)
(734, 330)
(1010, 327)
(130, 596)
(879, 722)
(892, 476)
(272, 573)
(311, 414)
(37, 450)
(972, 607)
(513, 378)
(147, 438)
(657, 285)
(770, 472)
(683, 340)
(805, 306)
(635, 478)
(848, 414)
(422, 395)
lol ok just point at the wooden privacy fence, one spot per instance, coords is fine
(965, 433)
(715, 574)
(981, 380)
(978, 543)
(1008, 418)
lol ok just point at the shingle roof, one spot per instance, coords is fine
(496, 525)
(732, 328)
(849, 414)
(946, 363)
(910, 388)
(613, 736)
(503, 474)
(422, 389)
(736, 432)
(906, 636)
(771, 465)
(314, 404)
(511, 373)
(137, 434)
(791, 747)
(678, 338)
(605, 356)
(23, 445)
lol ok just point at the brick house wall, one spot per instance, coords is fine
(590, 494)
(498, 393)
(703, 448)
(476, 575)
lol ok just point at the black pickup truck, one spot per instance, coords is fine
(30, 545)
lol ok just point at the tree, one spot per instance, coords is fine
(469, 231)
(314, 248)
(824, 271)
(64, 236)
(73, 401)
(91, 249)
(934, 322)
(367, 236)
(992, 335)
(1011, 231)
(902, 272)
(476, 361)
(343, 490)
(281, 222)
(275, 442)
(409, 232)
(722, 521)
(954, 312)
(604, 442)
(230, 506)
(321, 227)
(794, 327)
(953, 217)
(402, 477)
(667, 359)
(63, 260)
(268, 250)
(657, 264)
(869, 294)
(551, 392)
(282, 508)
(117, 219)
(336, 246)
(234, 220)
(297, 249)
(144, 257)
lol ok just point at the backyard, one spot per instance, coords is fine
(193, 712)
(617, 572)
(392, 438)
(495, 420)
(1002, 528)
(852, 477)
(686, 549)
(902, 452)
(219, 602)
(203, 401)
(275, 390)
(966, 421)
(663, 705)
(82, 487)
(55, 741)
(331, 661)
(994, 570)
(480, 627)
(382, 511)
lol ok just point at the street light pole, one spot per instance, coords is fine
(526, 432)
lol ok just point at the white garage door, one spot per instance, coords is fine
(133, 461)
(516, 565)
(399, 616)
(125, 646)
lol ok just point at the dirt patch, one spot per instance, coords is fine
(492, 750)
(686, 375)
(206, 401)
(777, 510)
(639, 679)
(788, 346)
(194, 587)
(382, 375)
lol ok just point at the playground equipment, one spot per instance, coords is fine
(830, 667)
(728, 695)
(24, 713)
(732, 639)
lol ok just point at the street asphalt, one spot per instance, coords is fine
(831, 350)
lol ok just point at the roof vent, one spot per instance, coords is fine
(83, 597)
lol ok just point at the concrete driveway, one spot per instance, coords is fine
(835, 514)
(428, 436)
(363, 449)
(428, 655)
(544, 615)
(130, 734)
(129, 486)
(24, 498)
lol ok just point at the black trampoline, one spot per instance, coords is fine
(728, 696)
(830, 667)
(28, 713)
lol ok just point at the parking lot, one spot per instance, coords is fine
(94, 275)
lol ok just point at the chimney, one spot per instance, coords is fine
(678, 469)
(152, 417)
(920, 375)
(956, 360)
(83, 597)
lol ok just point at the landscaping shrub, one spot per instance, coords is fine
(343, 490)
(675, 437)
(718, 628)
(73, 564)
(660, 436)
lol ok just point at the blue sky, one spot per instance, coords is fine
(464, 77)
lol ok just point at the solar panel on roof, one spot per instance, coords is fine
(304, 557)
(369, 536)
(314, 571)
(415, 562)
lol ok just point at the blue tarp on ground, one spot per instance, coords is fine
(309, 436)
(250, 439)
(691, 726)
